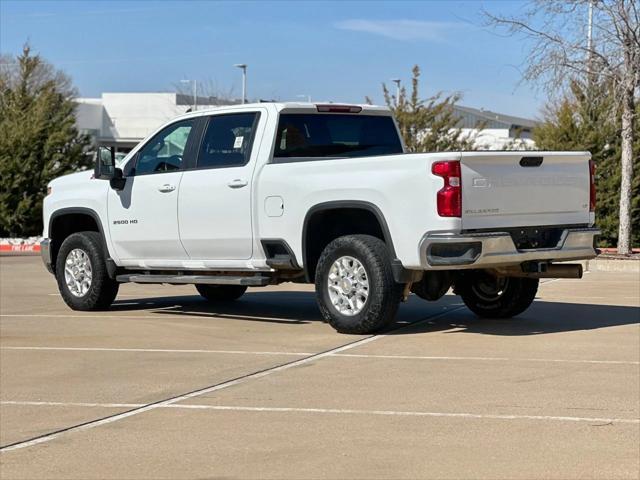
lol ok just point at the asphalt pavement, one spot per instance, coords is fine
(166, 385)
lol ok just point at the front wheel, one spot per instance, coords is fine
(496, 297)
(81, 273)
(355, 288)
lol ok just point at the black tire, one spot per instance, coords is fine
(381, 304)
(491, 297)
(221, 293)
(103, 289)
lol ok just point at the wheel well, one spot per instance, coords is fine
(66, 224)
(325, 225)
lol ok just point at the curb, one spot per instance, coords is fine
(4, 248)
(610, 265)
(20, 246)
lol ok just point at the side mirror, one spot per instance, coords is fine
(105, 168)
(118, 181)
(105, 163)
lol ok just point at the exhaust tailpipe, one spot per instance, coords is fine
(572, 270)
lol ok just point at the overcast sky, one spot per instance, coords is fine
(339, 51)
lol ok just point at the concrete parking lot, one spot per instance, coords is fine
(167, 386)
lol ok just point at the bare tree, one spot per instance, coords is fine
(562, 47)
(208, 89)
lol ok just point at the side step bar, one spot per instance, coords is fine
(253, 281)
(282, 261)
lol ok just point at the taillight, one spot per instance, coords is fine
(450, 196)
(592, 186)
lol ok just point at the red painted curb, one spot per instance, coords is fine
(615, 250)
(19, 248)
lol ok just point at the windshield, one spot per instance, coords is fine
(309, 136)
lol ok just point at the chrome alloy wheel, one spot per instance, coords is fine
(77, 272)
(348, 286)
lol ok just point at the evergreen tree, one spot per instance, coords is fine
(583, 121)
(427, 125)
(38, 139)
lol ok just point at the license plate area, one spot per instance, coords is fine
(533, 238)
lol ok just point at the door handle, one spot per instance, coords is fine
(237, 183)
(166, 188)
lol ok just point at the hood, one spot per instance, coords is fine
(72, 179)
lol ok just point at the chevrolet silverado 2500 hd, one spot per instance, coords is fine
(261, 194)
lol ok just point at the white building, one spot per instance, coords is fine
(124, 119)
(499, 131)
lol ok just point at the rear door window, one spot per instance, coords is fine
(314, 136)
(227, 140)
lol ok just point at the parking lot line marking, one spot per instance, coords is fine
(406, 413)
(213, 388)
(339, 411)
(157, 350)
(487, 359)
(70, 404)
(345, 355)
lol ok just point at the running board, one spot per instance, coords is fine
(249, 281)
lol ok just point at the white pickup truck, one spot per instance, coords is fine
(259, 194)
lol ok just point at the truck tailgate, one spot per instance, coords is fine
(518, 189)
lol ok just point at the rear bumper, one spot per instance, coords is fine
(45, 252)
(440, 251)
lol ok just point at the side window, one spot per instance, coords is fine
(227, 140)
(163, 153)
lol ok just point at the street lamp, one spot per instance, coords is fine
(195, 92)
(308, 97)
(397, 82)
(243, 66)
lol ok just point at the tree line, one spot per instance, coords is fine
(39, 139)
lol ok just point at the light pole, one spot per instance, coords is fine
(590, 42)
(308, 97)
(195, 92)
(243, 66)
(397, 82)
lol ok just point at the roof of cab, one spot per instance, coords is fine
(289, 107)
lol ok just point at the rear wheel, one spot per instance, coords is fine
(355, 288)
(221, 293)
(82, 275)
(496, 297)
